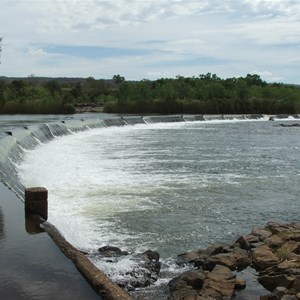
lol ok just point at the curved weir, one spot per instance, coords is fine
(13, 145)
(18, 142)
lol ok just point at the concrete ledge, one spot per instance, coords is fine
(101, 283)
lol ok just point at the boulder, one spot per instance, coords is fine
(219, 284)
(270, 282)
(187, 280)
(274, 241)
(240, 283)
(201, 254)
(263, 257)
(277, 294)
(111, 251)
(296, 284)
(261, 233)
(274, 251)
(243, 242)
(237, 259)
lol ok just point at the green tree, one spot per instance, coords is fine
(118, 79)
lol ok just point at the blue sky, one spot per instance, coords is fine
(151, 38)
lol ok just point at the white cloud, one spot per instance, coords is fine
(240, 36)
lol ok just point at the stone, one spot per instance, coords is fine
(270, 282)
(151, 255)
(238, 259)
(189, 257)
(219, 284)
(185, 294)
(111, 251)
(276, 227)
(261, 233)
(288, 297)
(251, 238)
(263, 257)
(240, 284)
(296, 249)
(296, 284)
(214, 249)
(277, 294)
(194, 279)
(274, 251)
(201, 254)
(274, 241)
(243, 243)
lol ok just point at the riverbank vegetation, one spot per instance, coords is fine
(204, 94)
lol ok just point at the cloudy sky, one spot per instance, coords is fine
(151, 38)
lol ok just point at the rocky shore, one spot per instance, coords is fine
(273, 251)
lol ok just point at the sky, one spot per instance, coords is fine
(151, 39)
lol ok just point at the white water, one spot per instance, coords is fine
(167, 187)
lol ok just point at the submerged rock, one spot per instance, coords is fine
(111, 251)
(144, 273)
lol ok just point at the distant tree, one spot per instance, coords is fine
(118, 79)
(254, 79)
(53, 87)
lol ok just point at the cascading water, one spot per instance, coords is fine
(167, 187)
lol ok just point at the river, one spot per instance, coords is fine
(169, 187)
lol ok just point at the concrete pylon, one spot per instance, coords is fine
(36, 201)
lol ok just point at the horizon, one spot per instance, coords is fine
(151, 39)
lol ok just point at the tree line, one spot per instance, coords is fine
(204, 94)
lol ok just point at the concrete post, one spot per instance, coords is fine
(36, 201)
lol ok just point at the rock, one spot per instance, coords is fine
(270, 282)
(237, 259)
(287, 267)
(111, 251)
(151, 261)
(194, 279)
(219, 284)
(296, 284)
(288, 297)
(274, 251)
(243, 243)
(251, 238)
(199, 257)
(189, 257)
(240, 283)
(151, 255)
(276, 227)
(261, 233)
(263, 257)
(274, 241)
(277, 294)
(186, 294)
(214, 249)
(296, 249)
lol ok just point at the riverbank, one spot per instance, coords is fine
(272, 251)
(60, 128)
(31, 265)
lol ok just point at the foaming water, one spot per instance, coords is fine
(167, 187)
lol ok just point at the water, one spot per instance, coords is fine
(168, 187)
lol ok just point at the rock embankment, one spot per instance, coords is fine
(273, 251)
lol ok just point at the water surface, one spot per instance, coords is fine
(167, 187)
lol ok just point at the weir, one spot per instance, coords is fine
(13, 145)
(16, 142)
